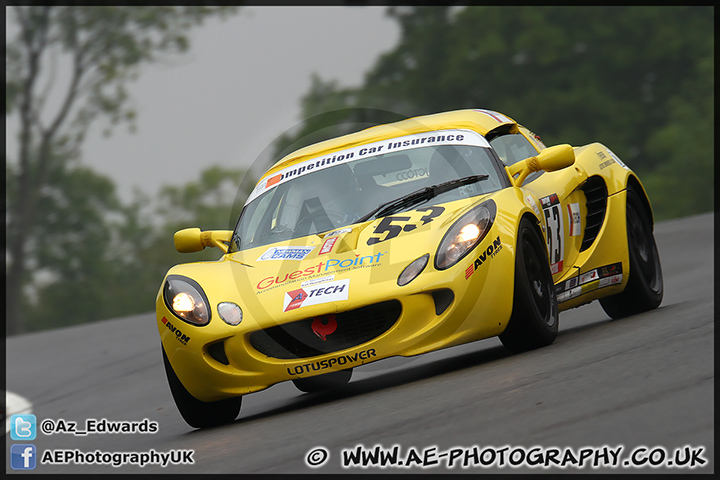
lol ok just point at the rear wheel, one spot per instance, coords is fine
(196, 413)
(534, 319)
(324, 382)
(644, 289)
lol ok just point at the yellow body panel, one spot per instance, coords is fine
(482, 283)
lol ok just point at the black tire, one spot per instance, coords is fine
(644, 290)
(534, 320)
(324, 382)
(199, 414)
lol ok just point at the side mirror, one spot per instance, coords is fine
(192, 240)
(551, 159)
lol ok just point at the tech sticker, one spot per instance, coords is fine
(316, 294)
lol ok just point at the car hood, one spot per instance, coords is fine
(337, 270)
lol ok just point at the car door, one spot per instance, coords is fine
(556, 200)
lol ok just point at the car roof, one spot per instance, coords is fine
(479, 120)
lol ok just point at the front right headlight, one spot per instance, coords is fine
(186, 299)
(465, 234)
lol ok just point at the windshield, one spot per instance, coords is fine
(300, 201)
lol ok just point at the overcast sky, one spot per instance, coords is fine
(234, 92)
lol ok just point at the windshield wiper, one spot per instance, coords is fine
(418, 196)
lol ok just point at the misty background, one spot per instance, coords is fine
(90, 217)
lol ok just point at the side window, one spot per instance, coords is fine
(512, 148)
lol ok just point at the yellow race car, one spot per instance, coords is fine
(402, 239)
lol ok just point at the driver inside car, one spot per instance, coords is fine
(331, 199)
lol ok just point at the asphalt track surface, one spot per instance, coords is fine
(644, 381)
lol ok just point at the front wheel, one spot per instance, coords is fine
(324, 382)
(534, 319)
(644, 289)
(196, 413)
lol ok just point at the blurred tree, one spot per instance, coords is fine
(69, 277)
(92, 258)
(629, 77)
(105, 45)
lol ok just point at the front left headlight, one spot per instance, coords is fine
(412, 270)
(465, 234)
(186, 299)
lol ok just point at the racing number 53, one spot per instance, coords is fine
(386, 224)
(553, 218)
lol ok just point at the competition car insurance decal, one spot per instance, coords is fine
(397, 144)
(554, 219)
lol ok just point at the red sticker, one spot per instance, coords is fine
(273, 180)
(328, 245)
(298, 297)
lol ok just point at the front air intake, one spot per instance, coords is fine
(315, 336)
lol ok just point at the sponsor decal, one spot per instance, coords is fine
(316, 294)
(499, 117)
(328, 245)
(285, 253)
(338, 232)
(604, 276)
(314, 281)
(321, 267)
(574, 217)
(538, 140)
(296, 297)
(181, 337)
(555, 233)
(601, 155)
(489, 252)
(273, 180)
(606, 163)
(556, 267)
(412, 173)
(324, 325)
(330, 362)
(550, 200)
(437, 137)
(567, 295)
(531, 201)
(589, 277)
(609, 270)
(613, 280)
(469, 271)
(617, 159)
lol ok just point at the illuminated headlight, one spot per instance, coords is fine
(186, 299)
(465, 234)
(230, 313)
(413, 270)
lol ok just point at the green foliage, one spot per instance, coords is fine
(104, 48)
(94, 258)
(638, 79)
